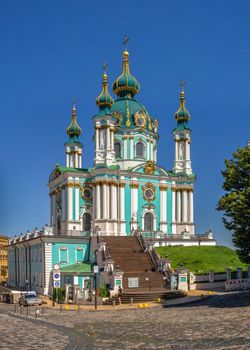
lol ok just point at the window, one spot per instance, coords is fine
(117, 148)
(148, 222)
(79, 254)
(140, 149)
(63, 255)
(86, 222)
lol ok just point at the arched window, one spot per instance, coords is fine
(117, 147)
(140, 150)
(86, 222)
(148, 222)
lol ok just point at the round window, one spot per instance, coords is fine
(149, 194)
(87, 193)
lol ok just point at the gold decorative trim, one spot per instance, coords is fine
(149, 167)
(147, 188)
(134, 185)
(163, 187)
(131, 137)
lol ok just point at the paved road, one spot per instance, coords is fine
(221, 322)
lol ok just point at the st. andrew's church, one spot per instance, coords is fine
(126, 189)
(112, 213)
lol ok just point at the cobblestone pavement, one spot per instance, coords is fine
(220, 323)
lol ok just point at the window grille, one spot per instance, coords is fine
(140, 149)
(148, 222)
(86, 222)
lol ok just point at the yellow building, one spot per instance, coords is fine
(3, 258)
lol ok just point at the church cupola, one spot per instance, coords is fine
(182, 115)
(182, 162)
(126, 83)
(104, 101)
(73, 145)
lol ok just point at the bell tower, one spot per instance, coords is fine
(73, 145)
(104, 123)
(182, 140)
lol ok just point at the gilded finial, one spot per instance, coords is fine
(182, 85)
(182, 113)
(104, 99)
(125, 42)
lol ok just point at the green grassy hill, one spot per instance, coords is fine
(202, 259)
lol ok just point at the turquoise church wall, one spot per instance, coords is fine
(71, 253)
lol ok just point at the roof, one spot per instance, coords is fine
(76, 268)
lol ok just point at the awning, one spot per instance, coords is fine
(77, 268)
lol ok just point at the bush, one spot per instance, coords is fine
(104, 292)
(59, 295)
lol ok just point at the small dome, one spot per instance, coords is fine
(74, 128)
(182, 114)
(104, 99)
(126, 83)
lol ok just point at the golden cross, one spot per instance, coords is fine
(125, 41)
(74, 103)
(105, 67)
(182, 85)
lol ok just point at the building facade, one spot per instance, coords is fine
(125, 189)
(3, 259)
(126, 192)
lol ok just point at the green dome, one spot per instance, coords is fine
(104, 99)
(182, 114)
(74, 130)
(127, 111)
(126, 83)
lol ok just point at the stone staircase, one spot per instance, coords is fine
(129, 256)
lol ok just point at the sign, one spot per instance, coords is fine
(96, 268)
(133, 282)
(56, 267)
(56, 284)
(56, 276)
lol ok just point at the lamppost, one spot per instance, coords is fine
(131, 222)
(96, 270)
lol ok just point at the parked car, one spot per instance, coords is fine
(29, 299)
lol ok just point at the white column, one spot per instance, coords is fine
(94, 204)
(176, 150)
(112, 139)
(163, 210)
(98, 201)
(97, 137)
(134, 204)
(67, 160)
(178, 206)
(113, 204)
(108, 201)
(77, 203)
(152, 154)
(173, 211)
(63, 204)
(54, 209)
(122, 210)
(191, 206)
(131, 148)
(125, 148)
(107, 138)
(184, 206)
(148, 150)
(104, 201)
(69, 190)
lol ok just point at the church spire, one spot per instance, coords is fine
(104, 100)
(182, 115)
(74, 130)
(126, 84)
(74, 146)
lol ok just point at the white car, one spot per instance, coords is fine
(29, 300)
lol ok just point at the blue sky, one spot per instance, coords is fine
(52, 51)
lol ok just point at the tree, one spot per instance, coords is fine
(235, 203)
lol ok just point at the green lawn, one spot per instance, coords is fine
(202, 259)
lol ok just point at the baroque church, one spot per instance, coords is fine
(125, 190)
(111, 215)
